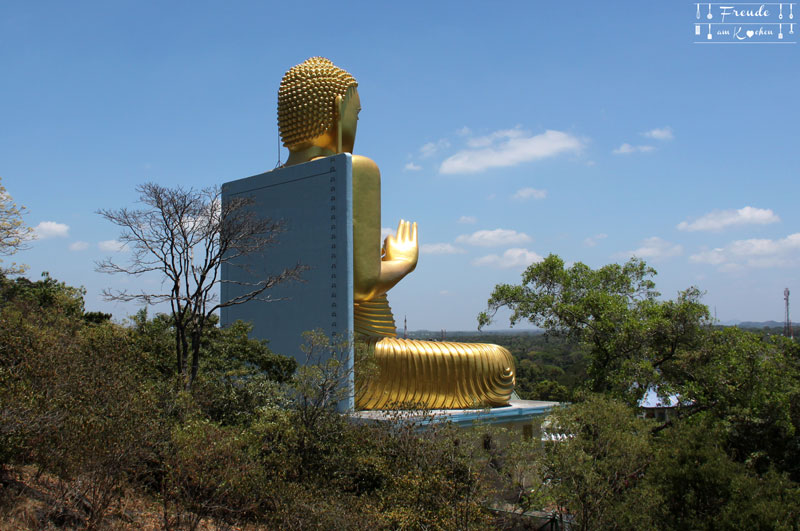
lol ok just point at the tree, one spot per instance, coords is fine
(701, 487)
(47, 294)
(13, 234)
(750, 387)
(595, 472)
(187, 235)
(748, 384)
(631, 336)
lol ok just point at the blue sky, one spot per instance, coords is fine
(508, 131)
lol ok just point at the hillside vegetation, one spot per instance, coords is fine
(97, 430)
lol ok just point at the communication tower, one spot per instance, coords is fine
(787, 323)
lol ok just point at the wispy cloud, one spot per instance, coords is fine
(592, 241)
(655, 248)
(464, 131)
(509, 147)
(757, 253)
(494, 238)
(467, 220)
(51, 229)
(663, 133)
(529, 193)
(720, 219)
(78, 246)
(440, 248)
(431, 148)
(488, 140)
(710, 256)
(412, 167)
(627, 149)
(385, 231)
(112, 246)
(515, 257)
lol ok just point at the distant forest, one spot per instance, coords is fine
(550, 367)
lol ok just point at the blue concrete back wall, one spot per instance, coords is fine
(315, 201)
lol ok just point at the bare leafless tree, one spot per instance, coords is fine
(187, 235)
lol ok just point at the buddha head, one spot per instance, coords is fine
(318, 105)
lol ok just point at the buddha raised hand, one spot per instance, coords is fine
(318, 106)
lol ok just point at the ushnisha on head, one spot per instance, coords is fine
(309, 100)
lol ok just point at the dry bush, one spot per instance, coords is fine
(74, 403)
(210, 473)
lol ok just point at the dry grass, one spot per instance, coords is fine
(31, 501)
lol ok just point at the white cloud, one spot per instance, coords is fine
(655, 248)
(467, 220)
(412, 167)
(720, 219)
(627, 149)
(431, 148)
(112, 246)
(440, 248)
(464, 131)
(663, 133)
(509, 148)
(592, 241)
(78, 246)
(755, 252)
(528, 193)
(764, 247)
(494, 238)
(51, 229)
(515, 257)
(758, 247)
(711, 256)
(488, 140)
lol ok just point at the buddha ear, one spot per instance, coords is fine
(338, 107)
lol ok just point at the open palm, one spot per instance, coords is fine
(404, 246)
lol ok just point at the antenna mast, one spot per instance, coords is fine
(787, 323)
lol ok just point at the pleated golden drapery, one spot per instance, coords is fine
(430, 374)
(437, 375)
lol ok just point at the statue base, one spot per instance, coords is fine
(523, 415)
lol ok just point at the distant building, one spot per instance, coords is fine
(652, 406)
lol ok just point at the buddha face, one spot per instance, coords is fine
(351, 106)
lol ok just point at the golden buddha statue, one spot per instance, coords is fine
(318, 106)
